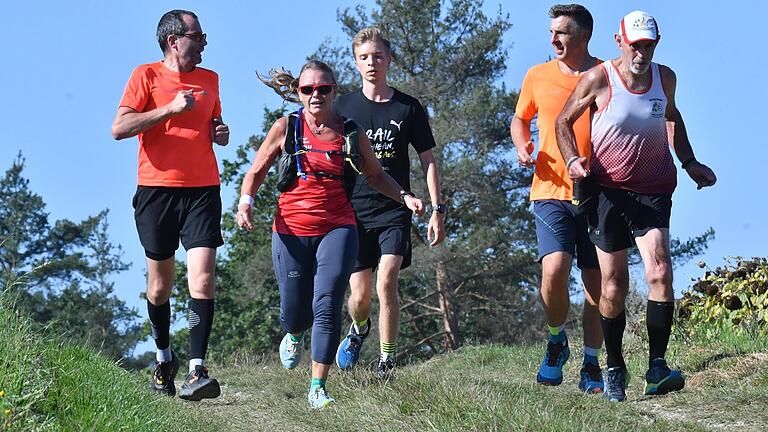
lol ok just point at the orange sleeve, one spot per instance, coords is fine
(217, 105)
(526, 105)
(137, 90)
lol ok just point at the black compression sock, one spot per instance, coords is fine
(659, 321)
(200, 321)
(160, 321)
(613, 332)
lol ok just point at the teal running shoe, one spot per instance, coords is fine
(290, 351)
(660, 379)
(319, 398)
(348, 353)
(616, 382)
(591, 379)
(551, 369)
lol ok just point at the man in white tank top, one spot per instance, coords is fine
(634, 121)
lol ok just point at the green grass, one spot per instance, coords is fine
(492, 388)
(47, 386)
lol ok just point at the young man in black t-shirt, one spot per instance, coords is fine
(392, 120)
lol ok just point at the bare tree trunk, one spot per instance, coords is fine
(448, 306)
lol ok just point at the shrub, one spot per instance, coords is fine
(734, 295)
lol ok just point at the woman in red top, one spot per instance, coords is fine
(314, 239)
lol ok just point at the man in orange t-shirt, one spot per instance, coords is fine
(174, 108)
(560, 232)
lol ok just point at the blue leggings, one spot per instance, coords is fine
(313, 274)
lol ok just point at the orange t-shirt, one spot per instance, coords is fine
(545, 90)
(179, 151)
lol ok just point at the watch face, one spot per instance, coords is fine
(440, 208)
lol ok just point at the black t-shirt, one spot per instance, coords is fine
(390, 127)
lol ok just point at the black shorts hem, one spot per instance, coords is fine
(610, 247)
(212, 243)
(158, 256)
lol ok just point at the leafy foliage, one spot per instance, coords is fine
(734, 295)
(66, 267)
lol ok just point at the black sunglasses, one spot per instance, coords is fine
(197, 37)
(323, 89)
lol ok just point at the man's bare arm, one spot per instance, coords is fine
(583, 97)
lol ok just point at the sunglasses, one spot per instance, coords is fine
(197, 37)
(323, 89)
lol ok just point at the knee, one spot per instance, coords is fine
(158, 291)
(613, 295)
(202, 285)
(659, 275)
(359, 301)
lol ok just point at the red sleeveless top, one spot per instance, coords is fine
(315, 204)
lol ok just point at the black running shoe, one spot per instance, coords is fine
(197, 385)
(385, 369)
(162, 379)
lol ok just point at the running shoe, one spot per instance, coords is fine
(551, 369)
(162, 379)
(319, 398)
(385, 368)
(660, 379)
(348, 353)
(616, 381)
(591, 379)
(197, 385)
(290, 351)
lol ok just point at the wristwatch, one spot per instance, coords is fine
(440, 208)
(404, 193)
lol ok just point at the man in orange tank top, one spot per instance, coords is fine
(560, 232)
(174, 108)
(626, 98)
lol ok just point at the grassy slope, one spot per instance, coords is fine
(47, 386)
(491, 388)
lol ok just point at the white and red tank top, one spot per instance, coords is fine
(314, 205)
(630, 149)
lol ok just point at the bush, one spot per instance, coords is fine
(735, 296)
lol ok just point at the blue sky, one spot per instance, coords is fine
(66, 64)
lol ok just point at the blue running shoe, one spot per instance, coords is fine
(319, 398)
(660, 379)
(551, 369)
(290, 351)
(591, 379)
(348, 352)
(616, 382)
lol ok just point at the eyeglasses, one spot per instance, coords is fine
(323, 89)
(197, 37)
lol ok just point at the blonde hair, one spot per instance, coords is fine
(371, 34)
(286, 85)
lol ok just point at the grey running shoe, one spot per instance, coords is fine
(197, 385)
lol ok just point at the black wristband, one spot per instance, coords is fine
(688, 162)
(405, 193)
(440, 208)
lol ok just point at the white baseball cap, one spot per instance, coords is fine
(638, 26)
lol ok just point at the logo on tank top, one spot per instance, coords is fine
(657, 108)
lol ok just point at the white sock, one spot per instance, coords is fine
(164, 355)
(195, 362)
(592, 352)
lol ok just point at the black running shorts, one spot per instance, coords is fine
(623, 215)
(166, 214)
(375, 242)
